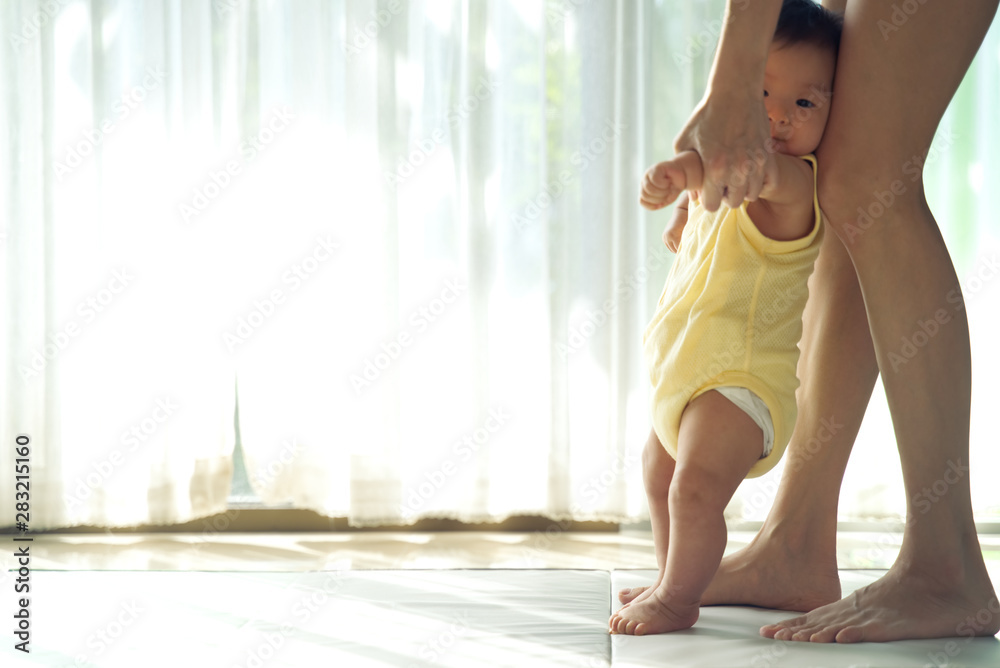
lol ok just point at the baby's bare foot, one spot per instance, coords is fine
(637, 594)
(630, 594)
(654, 613)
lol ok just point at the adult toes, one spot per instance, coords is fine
(850, 634)
(785, 629)
(802, 635)
(769, 630)
(823, 635)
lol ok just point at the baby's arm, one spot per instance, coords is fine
(785, 208)
(793, 182)
(665, 181)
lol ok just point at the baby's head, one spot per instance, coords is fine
(798, 80)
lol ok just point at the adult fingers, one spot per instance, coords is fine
(711, 195)
(734, 193)
(769, 171)
(754, 170)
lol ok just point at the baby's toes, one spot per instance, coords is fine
(634, 628)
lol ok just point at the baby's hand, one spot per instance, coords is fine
(662, 184)
(675, 228)
(672, 235)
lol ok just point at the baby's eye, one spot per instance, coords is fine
(765, 93)
(805, 104)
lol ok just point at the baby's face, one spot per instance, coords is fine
(798, 81)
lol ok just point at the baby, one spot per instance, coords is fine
(723, 346)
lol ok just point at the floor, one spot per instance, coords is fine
(291, 552)
(380, 599)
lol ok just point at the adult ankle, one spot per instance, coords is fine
(947, 566)
(799, 536)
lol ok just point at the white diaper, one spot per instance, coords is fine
(755, 407)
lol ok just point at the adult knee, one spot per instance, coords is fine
(857, 199)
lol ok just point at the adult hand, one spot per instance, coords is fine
(729, 130)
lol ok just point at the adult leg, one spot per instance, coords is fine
(891, 90)
(717, 445)
(791, 564)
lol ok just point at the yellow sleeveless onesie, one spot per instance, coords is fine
(731, 315)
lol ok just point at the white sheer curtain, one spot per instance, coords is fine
(405, 232)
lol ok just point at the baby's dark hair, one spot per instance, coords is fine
(805, 22)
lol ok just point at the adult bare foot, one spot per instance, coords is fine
(767, 574)
(903, 604)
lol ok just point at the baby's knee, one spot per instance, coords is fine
(657, 464)
(696, 489)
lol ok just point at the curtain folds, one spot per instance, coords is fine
(404, 234)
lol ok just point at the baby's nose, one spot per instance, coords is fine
(778, 121)
(777, 117)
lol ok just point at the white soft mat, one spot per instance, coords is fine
(727, 636)
(357, 619)
(349, 619)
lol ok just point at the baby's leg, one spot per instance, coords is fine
(717, 445)
(657, 471)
